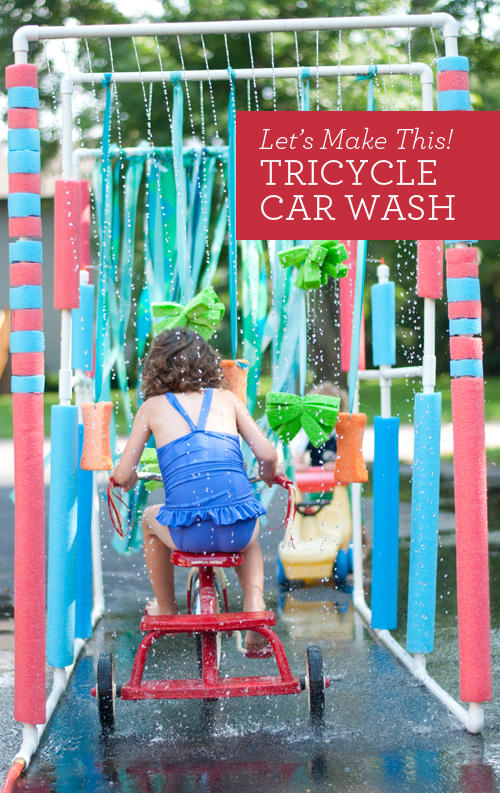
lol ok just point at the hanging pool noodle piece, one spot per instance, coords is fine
(82, 330)
(350, 464)
(384, 324)
(237, 374)
(96, 452)
(61, 585)
(385, 554)
(424, 524)
(67, 202)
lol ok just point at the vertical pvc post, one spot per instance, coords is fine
(27, 344)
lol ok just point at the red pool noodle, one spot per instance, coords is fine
(85, 256)
(430, 268)
(27, 319)
(453, 81)
(25, 274)
(20, 75)
(315, 480)
(465, 347)
(462, 266)
(464, 309)
(22, 118)
(24, 183)
(25, 227)
(67, 244)
(347, 289)
(469, 461)
(29, 559)
(27, 363)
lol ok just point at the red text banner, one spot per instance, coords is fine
(380, 175)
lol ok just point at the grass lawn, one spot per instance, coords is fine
(402, 403)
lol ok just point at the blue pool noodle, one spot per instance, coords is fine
(424, 525)
(62, 535)
(83, 605)
(384, 324)
(385, 553)
(82, 330)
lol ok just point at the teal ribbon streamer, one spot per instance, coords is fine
(356, 320)
(101, 325)
(180, 179)
(233, 251)
(305, 94)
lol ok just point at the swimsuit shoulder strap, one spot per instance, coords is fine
(178, 407)
(205, 408)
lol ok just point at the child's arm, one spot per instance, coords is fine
(264, 451)
(125, 472)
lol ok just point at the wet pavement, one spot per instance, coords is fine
(382, 731)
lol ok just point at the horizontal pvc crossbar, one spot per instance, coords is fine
(29, 33)
(201, 75)
(398, 373)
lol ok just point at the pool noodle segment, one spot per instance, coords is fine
(465, 347)
(21, 74)
(23, 139)
(23, 96)
(25, 227)
(424, 524)
(468, 309)
(83, 602)
(96, 453)
(346, 295)
(25, 251)
(28, 296)
(24, 204)
(27, 341)
(25, 273)
(82, 330)
(85, 255)
(25, 183)
(67, 244)
(462, 289)
(23, 162)
(384, 324)
(29, 559)
(61, 578)
(27, 319)
(466, 368)
(349, 464)
(28, 363)
(467, 400)
(385, 553)
(430, 268)
(22, 118)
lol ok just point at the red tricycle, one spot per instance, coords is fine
(207, 618)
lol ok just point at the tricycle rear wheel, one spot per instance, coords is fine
(106, 692)
(315, 685)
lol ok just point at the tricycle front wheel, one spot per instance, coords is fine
(106, 692)
(315, 685)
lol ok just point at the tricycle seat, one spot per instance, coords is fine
(182, 559)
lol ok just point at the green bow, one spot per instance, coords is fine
(315, 262)
(317, 414)
(202, 314)
(150, 464)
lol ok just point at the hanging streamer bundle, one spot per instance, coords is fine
(315, 262)
(201, 314)
(317, 414)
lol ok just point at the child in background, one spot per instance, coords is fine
(209, 502)
(305, 454)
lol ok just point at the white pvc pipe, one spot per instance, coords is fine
(67, 129)
(202, 75)
(65, 373)
(429, 356)
(29, 33)
(396, 373)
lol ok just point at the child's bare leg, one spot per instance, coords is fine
(160, 568)
(251, 578)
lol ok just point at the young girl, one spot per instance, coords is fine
(209, 504)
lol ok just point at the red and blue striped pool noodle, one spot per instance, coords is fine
(469, 460)
(27, 403)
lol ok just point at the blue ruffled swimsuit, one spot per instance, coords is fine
(209, 502)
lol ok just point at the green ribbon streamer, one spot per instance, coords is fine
(315, 262)
(356, 320)
(150, 464)
(202, 314)
(288, 413)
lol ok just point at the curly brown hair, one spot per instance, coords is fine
(181, 360)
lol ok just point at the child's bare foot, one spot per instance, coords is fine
(152, 609)
(253, 640)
